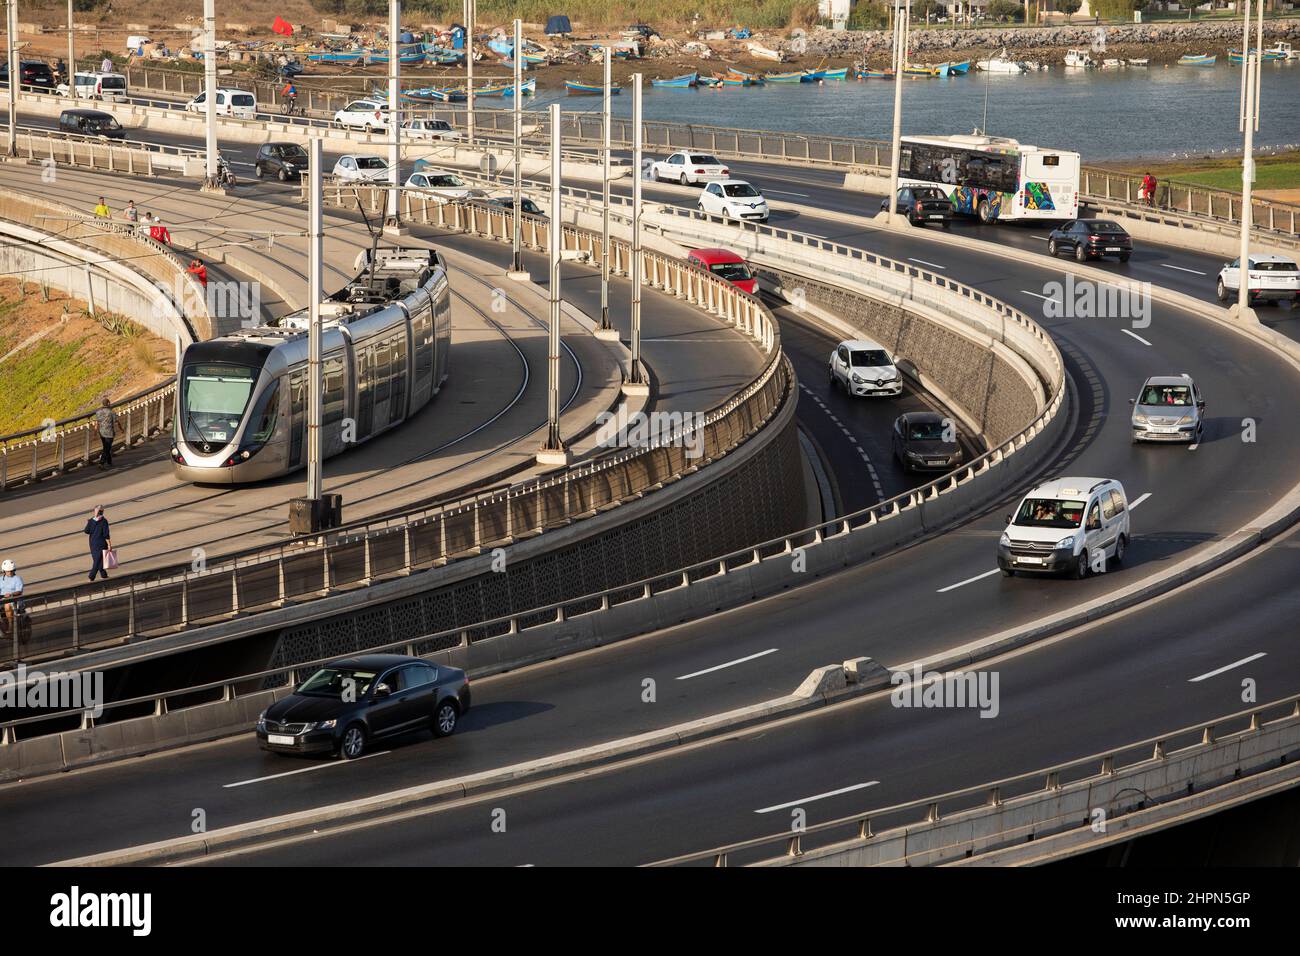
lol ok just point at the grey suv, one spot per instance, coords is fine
(1169, 408)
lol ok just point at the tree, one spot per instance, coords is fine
(1190, 6)
(926, 9)
(1003, 10)
(1069, 7)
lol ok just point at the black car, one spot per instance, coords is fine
(526, 205)
(921, 205)
(348, 703)
(32, 74)
(926, 441)
(1091, 239)
(284, 161)
(91, 123)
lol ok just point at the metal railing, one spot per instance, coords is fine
(72, 619)
(88, 152)
(1105, 767)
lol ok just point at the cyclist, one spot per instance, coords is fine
(290, 94)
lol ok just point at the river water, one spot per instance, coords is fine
(1158, 111)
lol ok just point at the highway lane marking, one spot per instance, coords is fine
(862, 452)
(1135, 335)
(1141, 498)
(738, 660)
(978, 577)
(290, 773)
(1195, 272)
(932, 265)
(1038, 295)
(1226, 668)
(820, 796)
(782, 192)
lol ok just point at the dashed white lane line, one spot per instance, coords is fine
(1135, 335)
(738, 660)
(1037, 295)
(782, 192)
(932, 265)
(1137, 501)
(862, 452)
(978, 577)
(820, 796)
(290, 773)
(1195, 272)
(1226, 668)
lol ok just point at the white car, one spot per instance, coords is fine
(864, 367)
(442, 186)
(733, 199)
(238, 103)
(361, 169)
(1075, 525)
(686, 167)
(369, 115)
(1273, 278)
(110, 87)
(428, 129)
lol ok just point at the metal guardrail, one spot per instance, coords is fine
(87, 152)
(73, 619)
(859, 829)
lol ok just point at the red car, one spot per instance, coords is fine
(725, 264)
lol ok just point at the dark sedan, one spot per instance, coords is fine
(926, 441)
(348, 703)
(923, 204)
(284, 161)
(1091, 239)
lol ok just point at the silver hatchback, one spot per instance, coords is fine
(1169, 408)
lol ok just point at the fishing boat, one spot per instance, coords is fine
(684, 82)
(526, 88)
(731, 79)
(411, 58)
(1236, 56)
(812, 76)
(1001, 64)
(1078, 58)
(710, 82)
(440, 55)
(336, 56)
(1283, 50)
(536, 59)
(1197, 59)
(959, 69)
(760, 52)
(447, 95)
(795, 76)
(917, 69)
(574, 86)
(1111, 64)
(752, 77)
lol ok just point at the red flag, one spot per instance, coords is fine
(282, 26)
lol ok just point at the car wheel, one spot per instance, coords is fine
(1124, 256)
(681, 180)
(444, 719)
(1120, 547)
(258, 171)
(1008, 572)
(369, 128)
(1080, 569)
(354, 742)
(1080, 253)
(282, 176)
(1222, 291)
(1051, 247)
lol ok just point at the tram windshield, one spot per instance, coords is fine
(213, 400)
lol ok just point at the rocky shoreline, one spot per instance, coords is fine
(1158, 41)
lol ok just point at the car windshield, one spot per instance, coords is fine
(1166, 395)
(731, 271)
(294, 154)
(868, 358)
(334, 681)
(1049, 513)
(530, 207)
(370, 162)
(1105, 228)
(703, 159)
(447, 181)
(739, 189)
(213, 399)
(925, 431)
(1274, 265)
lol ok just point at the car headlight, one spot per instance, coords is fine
(1139, 419)
(1185, 420)
(326, 724)
(858, 379)
(261, 718)
(913, 454)
(1066, 543)
(1005, 540)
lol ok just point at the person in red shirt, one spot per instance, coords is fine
(1149, 189)
(199, 271)
(158, 232)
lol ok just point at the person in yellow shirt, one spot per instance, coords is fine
(101, 211)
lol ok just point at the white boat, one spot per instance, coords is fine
(1140, 62)
(1001, 64)
(1078, 58)
(760, 52)
(1111, 64)
(1282, 49)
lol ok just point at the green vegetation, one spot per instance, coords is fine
(1284, 174)
(49, 380)
(755, 14)
(1005, 10)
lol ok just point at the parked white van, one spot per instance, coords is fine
(240, 104)
(110, 87)
(1072, 525)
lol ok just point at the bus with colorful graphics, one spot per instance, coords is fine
(992, 177)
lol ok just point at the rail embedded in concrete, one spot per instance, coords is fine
(954, 825)
(73, 619)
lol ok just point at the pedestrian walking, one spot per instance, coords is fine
(131, 214)
(108, 425)
(102, 210)
(106, 65)
(158, 232)
(100, 542)
(11, 593)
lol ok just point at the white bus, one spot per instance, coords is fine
(992, 177)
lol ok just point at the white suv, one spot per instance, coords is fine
(1273, 278)
(1075, 525)
(864, 367)
(369, 115)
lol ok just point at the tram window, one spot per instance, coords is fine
(265, 414)
(297, 406)
(381, 363)
(398, 407)
(423, 330)
(332, 376)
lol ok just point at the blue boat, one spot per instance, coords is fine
(527, 88)
(405, 59)
(1197, 59)
(333, 56)
(1236, 56)
(684, 82)
(812, 76)
(574, 86)
(959, 69)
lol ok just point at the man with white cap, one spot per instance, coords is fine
(11, 592)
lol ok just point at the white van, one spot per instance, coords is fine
(240, 104)
(1074, 525)
(110, 87)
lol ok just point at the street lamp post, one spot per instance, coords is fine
(469, 70)
(72, 55)
(11, 46)
(517, 270)
(393, 216)
(1248, 123)
(315, 283)
(636, 383)
(605, 330)
(902, 22)
(553, 451)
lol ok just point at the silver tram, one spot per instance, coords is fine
(241, 411)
